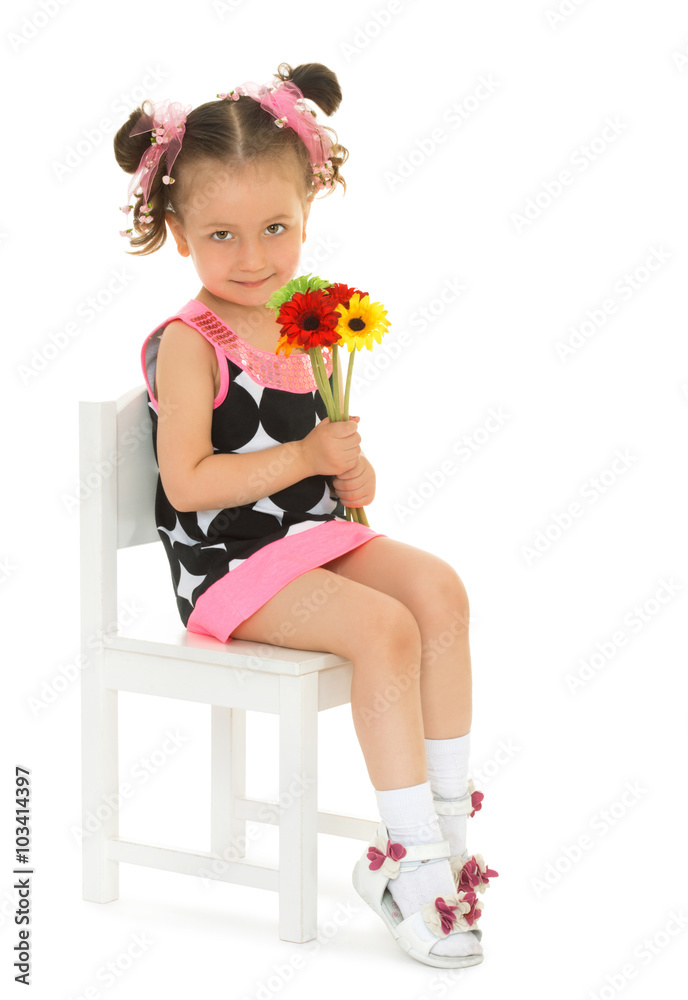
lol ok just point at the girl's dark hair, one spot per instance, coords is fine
(233, 133)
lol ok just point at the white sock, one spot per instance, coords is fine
(410, 818)
(448, 777)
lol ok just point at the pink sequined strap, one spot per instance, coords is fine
(274, 371)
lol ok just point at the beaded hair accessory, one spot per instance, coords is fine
(167, 125)
(285, 102)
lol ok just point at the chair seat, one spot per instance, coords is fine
(161, 631)
(154, 655)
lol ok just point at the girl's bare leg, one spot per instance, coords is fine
(436, 597)
(327, 611)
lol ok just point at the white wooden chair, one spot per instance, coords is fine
(118, 470)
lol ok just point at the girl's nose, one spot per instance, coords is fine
(252, 256)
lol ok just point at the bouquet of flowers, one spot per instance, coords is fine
(313, 314)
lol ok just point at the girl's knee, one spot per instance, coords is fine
(387, 626)
(457, 605)
(453, 585)
(441, 592)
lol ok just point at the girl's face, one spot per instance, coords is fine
(243, 230)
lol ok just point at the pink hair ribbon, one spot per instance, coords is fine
(285, 102)
(167, 125)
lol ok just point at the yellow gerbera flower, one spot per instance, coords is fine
(363, 322)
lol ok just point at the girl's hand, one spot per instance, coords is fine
(356, 488)
(332, 447)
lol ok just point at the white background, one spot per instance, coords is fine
(616, 232)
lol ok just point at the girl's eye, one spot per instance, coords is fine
(222, 233)
(275, 225)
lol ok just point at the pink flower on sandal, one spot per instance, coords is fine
(476, 798)
(471, 873)
(476, 802)
(474, 910)
(388, 860)
(441, 917)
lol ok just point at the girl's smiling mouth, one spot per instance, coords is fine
(253, 284)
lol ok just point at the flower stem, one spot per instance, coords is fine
(336, 392)
(356, 514)
(349, 373)
(320, 376)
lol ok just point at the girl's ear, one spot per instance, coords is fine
(178, 233)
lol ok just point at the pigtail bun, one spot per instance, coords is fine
(128, 153)
(130, 149)
(318, 83)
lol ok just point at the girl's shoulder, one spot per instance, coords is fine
(183, 349)
(179, 331)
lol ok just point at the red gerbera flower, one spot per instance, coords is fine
(340, 293)
(308, 320)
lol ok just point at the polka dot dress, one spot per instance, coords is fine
(227, 562)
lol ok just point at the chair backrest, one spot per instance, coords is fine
(118, 475)
(116, 458)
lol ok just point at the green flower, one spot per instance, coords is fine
(303, 284)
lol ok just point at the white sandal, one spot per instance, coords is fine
(457, 913)
(469, 870)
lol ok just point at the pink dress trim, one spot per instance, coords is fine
(274, 371)
(247, 587)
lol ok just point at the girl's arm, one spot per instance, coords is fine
(196, 478)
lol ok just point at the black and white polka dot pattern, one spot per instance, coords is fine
(202, 546)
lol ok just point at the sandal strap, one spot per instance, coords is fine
(410, 939)
(456, 807)
(426, 852)
(416, 853)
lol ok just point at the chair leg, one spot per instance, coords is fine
(100, 793)
(227, 781)
(298, 808)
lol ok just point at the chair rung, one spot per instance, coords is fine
(239, 871)
(338, 824)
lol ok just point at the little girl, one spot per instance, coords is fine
(253, 479)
